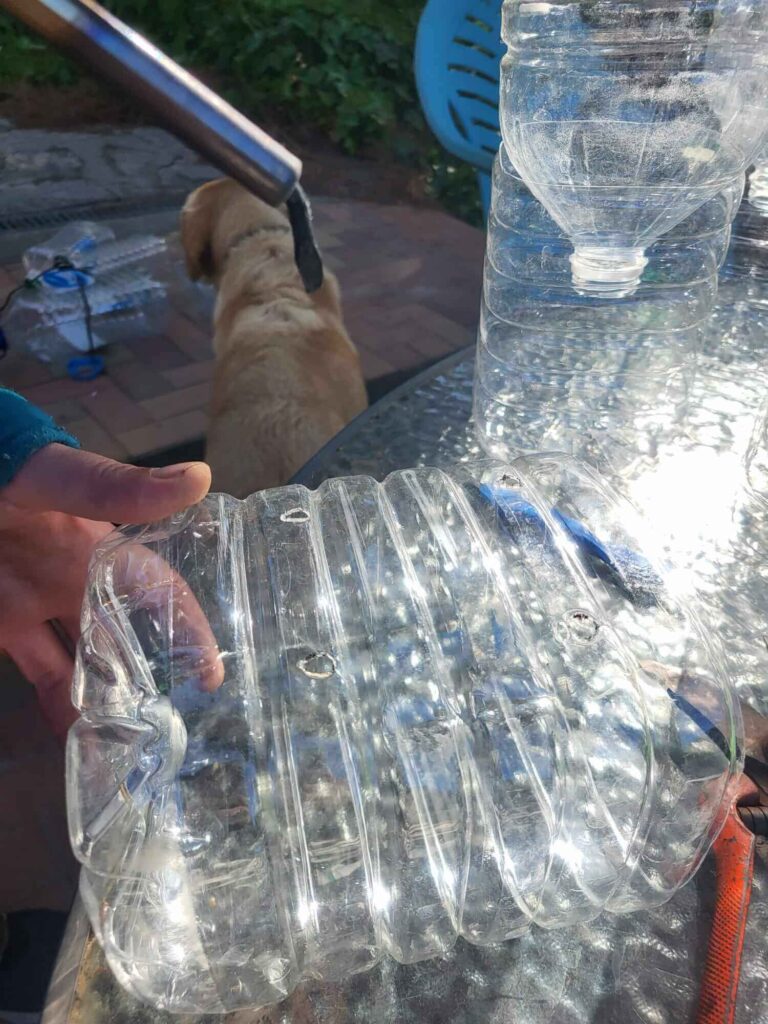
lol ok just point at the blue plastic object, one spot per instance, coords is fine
(458, 52)
(66, 279)
(629, 570)
(85, 367)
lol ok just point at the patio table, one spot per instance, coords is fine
(641, 967)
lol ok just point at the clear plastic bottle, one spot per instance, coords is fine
(123, 280)
(77, 242)
(451, 704)
(624, 116)
(116, 255)
(601, 371)
(707, 482)
(50, 319)
(92, 246)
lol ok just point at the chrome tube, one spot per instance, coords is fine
(188, 108)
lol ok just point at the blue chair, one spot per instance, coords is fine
(458, 50)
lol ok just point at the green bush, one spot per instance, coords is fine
(342, 66)
(24, 58)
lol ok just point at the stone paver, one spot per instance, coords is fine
(43, 170)
(410, 280)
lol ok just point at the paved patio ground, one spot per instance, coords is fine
(410, 276)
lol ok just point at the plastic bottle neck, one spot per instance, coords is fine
(607, 271)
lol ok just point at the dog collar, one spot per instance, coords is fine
(278, 229)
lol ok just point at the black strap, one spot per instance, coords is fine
(305, 250)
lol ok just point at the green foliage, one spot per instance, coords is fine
(24, 58)
(343, 67)
(454, 184)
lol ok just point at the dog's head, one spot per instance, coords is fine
(212, 220)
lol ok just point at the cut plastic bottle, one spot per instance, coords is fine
(124, 282)
(77, 242)
(453, 704)
(624, 117)
(556, 368)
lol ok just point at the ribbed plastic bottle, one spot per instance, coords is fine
(122, 281)
(624, 117)
(593, 374)
(50, 320)
(77, 242)
(322, 727)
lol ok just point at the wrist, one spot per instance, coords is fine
(24, 430)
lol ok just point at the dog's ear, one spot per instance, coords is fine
(198, 220)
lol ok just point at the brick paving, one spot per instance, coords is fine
(410, 279)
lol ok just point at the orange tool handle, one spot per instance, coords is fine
(734, 851)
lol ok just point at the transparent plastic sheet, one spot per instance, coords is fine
(453, 704)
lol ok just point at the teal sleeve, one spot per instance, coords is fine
(24, 429)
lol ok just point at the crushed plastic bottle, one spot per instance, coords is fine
(624, 117)
(451, 704)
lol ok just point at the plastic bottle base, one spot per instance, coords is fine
(604, 271)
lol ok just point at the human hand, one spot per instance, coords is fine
(56, 509)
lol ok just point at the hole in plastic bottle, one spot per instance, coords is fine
(579, 626)
(509, 480)
(295, 515)
(318, 666)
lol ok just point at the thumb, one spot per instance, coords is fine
(62, 479)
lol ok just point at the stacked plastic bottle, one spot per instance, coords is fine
(594, 374)
(122, 280)
(633, 124)
(322, 727)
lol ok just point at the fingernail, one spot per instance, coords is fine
(171, 472)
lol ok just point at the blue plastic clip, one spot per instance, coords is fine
(85, 367)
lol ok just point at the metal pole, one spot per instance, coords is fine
(188, 108)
